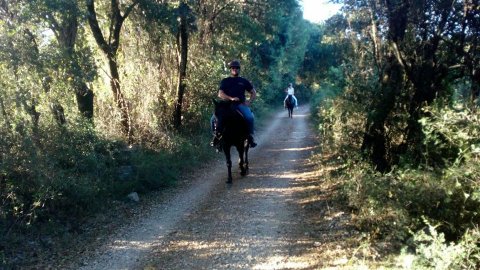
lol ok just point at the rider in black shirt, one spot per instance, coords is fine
(233, 88)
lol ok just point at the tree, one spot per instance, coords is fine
(110, 49)
(416, 50)
(391, 79)
(19, 52)
(185, 22)
(62, 18)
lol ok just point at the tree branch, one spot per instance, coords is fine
(129, 9)
(97, 32)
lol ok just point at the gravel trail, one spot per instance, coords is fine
(258, 222)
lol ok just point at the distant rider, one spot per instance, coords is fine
(290, 92)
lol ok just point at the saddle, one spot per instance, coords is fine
(226, 121)
(232, 119)
(288, 101)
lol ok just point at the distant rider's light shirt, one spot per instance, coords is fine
(290, 90)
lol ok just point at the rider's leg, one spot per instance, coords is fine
(296, 102)
(248, 115)
(285, 102)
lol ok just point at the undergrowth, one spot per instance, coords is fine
(399, 207)
(54, 178)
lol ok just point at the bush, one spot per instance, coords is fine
(54, 175)
(63, 175)
(434, 252)
(442, 190)
(452, 136)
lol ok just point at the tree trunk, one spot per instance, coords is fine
(427, 79)
(66, 31)
(55, 107)
(119, 98)
(4, 113)
(58, 113)
(110, 49)
(84, 97)
(375, 141)
(182, 47)
(475, 88)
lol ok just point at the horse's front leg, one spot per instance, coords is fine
(241, 161)
(226, 150)
(244, 158)
(247, 146)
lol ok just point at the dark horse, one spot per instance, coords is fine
(234, 133)
(289, 104)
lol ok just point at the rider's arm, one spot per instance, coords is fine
(253, 96)
(224, 96)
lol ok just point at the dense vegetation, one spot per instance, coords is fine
(102, 98)
(400, 114)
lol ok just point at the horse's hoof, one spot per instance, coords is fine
(229, 181)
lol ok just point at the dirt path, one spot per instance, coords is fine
(275, 218)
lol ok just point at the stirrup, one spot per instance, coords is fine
(251, 141)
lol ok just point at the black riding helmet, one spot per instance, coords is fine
(234, 63)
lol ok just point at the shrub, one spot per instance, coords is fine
(442, 190)
(434, 252)
(452, 136)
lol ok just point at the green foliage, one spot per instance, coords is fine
(443, 190)
(55, 176)
(390, 205)
(451, 138)
(400, 107)
(68, 174)
(434, 252)
(160, 169)
(321, 56)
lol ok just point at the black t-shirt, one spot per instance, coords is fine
(236, 87)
